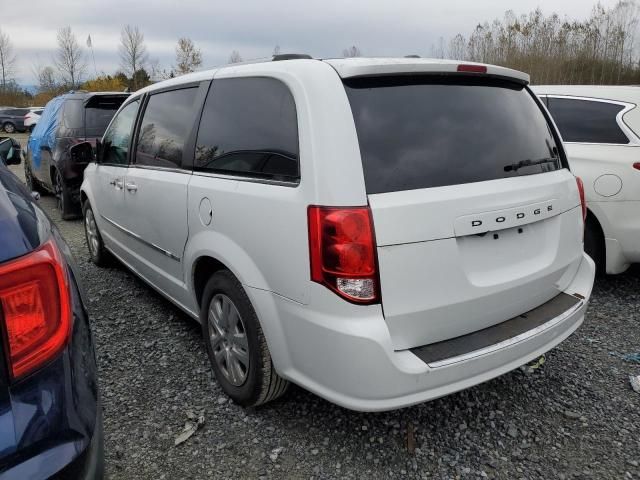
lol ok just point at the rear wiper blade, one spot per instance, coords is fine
(528, 163)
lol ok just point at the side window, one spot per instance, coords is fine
(115, 143)
(587, 121)
(249, 127)
(72, 114)
(165, 126)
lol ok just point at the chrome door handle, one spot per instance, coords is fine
(132, 187)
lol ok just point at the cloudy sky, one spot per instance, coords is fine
(253, 27)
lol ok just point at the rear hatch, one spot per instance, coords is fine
(477, 219)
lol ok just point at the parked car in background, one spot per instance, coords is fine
(50, 414)
(600, 127)
(12, 119)
(32, 117)
(10, 151)
(68, 119)
(379, 231)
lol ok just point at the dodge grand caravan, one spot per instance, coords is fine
(379, 231)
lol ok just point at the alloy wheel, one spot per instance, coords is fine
(91, 230)
(58, 191)
(228, 338)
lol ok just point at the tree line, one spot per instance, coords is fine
(601, 49)
(69, 67)
(553, 50)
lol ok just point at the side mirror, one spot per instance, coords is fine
(81, 154)
(99, 151)
(13, 157)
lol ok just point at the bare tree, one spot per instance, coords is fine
(7, 60)
(437, 51)
(235, 57)
(46, 79)
(457, 48)
(352, 51)
(69, 58)
(276, 50)
(188, 56)
(133, 52)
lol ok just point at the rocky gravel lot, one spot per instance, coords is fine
(575, 416)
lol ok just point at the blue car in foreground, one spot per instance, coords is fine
(50, 415)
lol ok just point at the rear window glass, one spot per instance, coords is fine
(422, 132)
(587, 121)
(99, 112)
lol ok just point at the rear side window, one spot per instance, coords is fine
(72, 114)
(587, 121)
(433, 131)
(166, 124)
(249, 128)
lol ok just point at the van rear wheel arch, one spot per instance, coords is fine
(203, 269)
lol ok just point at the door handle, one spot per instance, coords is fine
(132, 187)
(117, 183)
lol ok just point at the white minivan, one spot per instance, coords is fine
(378, 231)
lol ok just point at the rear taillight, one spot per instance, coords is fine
(35, 308)
(636, 165)
(583, 202)
(342, 251)
(472, 68)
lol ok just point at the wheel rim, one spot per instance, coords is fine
(91, 230)
(8, 128)
(58, 192)
(28, 178)
(228, 338)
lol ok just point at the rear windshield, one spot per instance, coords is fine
(98, 113)
(421, 132)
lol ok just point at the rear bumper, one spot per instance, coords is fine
(350, 360)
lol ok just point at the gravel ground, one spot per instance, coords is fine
(574, 417)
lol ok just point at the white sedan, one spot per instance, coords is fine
(600, 128)
(31, 118)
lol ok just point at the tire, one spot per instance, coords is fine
(254, 380)
(9, 127)
(97, 253)
(63, 197)
(594, 244)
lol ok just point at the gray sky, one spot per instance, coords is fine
(254, 27)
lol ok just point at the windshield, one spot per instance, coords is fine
(433, 131)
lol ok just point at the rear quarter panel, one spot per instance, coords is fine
(592, 162)
(259, 230)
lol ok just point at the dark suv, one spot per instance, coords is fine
(66, 120)
(12, 119)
